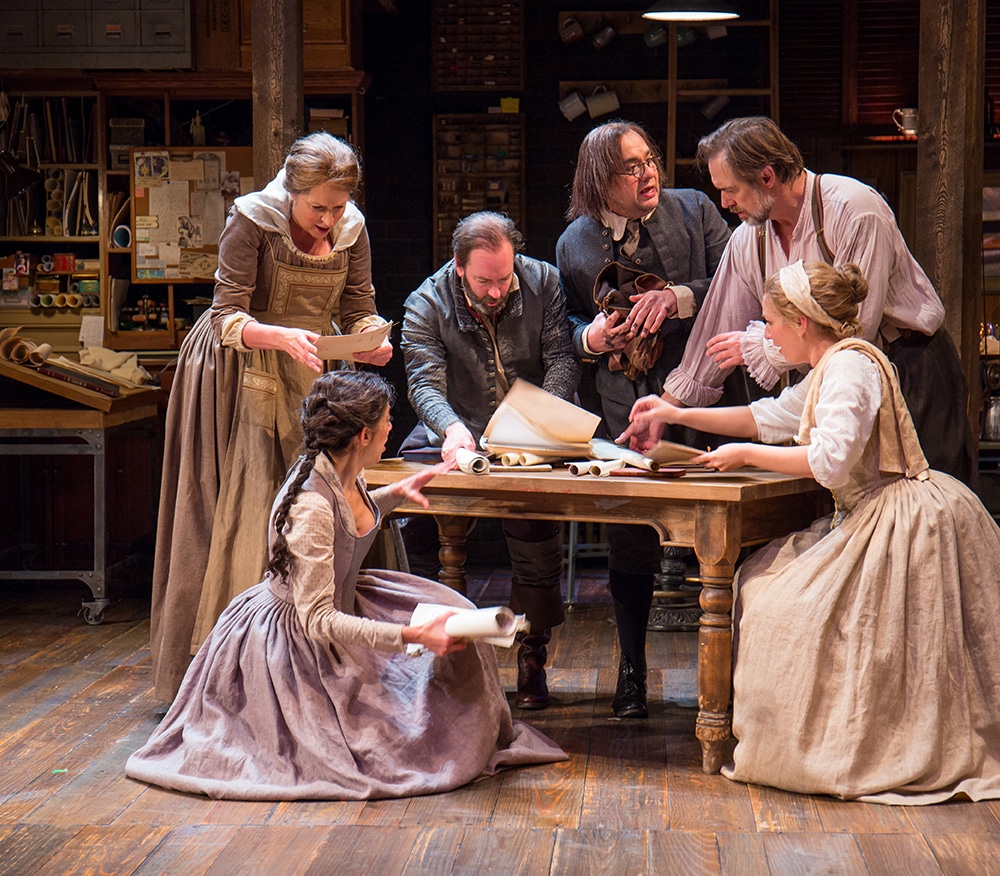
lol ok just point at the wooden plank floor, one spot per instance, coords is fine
(74, 702)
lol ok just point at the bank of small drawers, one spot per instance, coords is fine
(97, 33)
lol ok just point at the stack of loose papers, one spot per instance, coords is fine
(531, 420)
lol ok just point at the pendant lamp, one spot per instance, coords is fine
(690, 10)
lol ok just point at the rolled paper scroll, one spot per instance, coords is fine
(602, 468)
(59, 300)
(510, 458)
(631, 457)
(496, 626)
(38, 355)
(74, 300)
(580, 467)
(496, 621)
(471, 462)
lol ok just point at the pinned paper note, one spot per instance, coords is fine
(92, 331)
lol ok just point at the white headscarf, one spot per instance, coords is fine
(794, 282)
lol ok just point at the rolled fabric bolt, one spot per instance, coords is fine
(91, 301)
(59, 300)
(603, 467)
(46, 300)
(36, 300)
(39, 354)
(74, 286)
(47, 263)
(580, 467)
(471, 462)
(74, 300)
(510, 458)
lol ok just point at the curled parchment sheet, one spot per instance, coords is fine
(496, 626)
(579, 467)
(471, 462)
(22, 351)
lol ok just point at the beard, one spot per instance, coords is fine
(479, 307)
(761, 211)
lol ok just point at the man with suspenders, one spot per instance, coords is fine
(789, 213)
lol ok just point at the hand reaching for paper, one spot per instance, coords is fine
(646, 421)
(409, 488)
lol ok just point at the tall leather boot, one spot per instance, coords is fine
(632, 596)
(630, 694)
(532, 689)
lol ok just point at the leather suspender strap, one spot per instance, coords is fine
(817, 214)
(817, 211)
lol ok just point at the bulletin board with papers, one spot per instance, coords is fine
(180, 200)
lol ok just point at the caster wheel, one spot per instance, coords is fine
(93, 614)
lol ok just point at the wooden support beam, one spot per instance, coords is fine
(277, 83)
(950, 170)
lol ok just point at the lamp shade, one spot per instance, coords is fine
(690, 10)
(15, 178)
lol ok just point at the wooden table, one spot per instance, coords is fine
(715, 514)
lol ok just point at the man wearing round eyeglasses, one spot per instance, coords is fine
(626, 228)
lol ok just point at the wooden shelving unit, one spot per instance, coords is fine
(478, 165)
(702, 63)
(477, 45)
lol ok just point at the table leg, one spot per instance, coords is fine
(717, 545)
(453, 532)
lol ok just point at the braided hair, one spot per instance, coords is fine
(339, 405)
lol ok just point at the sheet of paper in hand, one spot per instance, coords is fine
(345, 346)
(531, 420)
(667, 452)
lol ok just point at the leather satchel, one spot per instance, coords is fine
(612, 290)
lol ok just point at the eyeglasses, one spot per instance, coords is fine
(638, 169)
